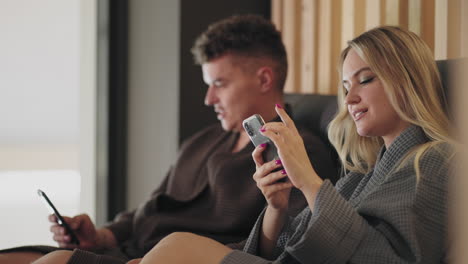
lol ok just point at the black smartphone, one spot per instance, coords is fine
(60, 220)
(252, 126)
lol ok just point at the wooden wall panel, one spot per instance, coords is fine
(383, 12)
(359, 16)
(324, 44)
(309, 46)
(404, 13)
(373, 17)
(348, 22)
(291, 33)
(427, 22)
(414, 16)
(454, 29)
(392, 8)
(277, 13)
(335, 51)
(315, 32)
(440, 29)
(464, 29)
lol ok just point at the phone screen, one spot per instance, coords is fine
(60, 220)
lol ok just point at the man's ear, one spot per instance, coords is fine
(265, 77)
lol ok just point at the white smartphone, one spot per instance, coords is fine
(60, 220)
(252, 126)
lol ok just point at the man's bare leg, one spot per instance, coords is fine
(186, 248)
(19, 257)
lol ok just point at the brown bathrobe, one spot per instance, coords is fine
(209, 191)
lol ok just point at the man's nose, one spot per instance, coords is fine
(210, 96)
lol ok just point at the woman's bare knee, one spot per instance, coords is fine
(186, 248)
(19, 257)
(56, 257)
(134, 261)
(178, 237)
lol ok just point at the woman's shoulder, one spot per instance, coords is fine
(438, 153)
(436, 162)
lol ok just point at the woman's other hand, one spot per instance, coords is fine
(269, 182)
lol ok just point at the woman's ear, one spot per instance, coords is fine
(265, 76)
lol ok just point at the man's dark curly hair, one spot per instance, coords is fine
(250, 36)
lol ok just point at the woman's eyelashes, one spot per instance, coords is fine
(362, 81)
(366, 80)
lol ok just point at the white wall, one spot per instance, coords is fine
(46, 79)
(48, 82)
(88, 102)
(24, 216)
(38, 72)
(153, 94)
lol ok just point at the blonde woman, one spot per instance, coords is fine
(393, 138)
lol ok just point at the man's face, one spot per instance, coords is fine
(232, 90)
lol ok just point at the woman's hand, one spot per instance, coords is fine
(276, 193)
(293, 154)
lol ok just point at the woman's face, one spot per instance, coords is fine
(367, 103)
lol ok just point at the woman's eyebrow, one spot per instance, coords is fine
(357, 73)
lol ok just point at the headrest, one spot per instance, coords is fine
(313, 111)
(449, 70)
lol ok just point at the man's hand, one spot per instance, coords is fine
(90, 237)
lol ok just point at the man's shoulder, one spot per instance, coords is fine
(438, 162)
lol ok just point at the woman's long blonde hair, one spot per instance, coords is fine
(405, 66)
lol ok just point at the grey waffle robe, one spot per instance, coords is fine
(385, 216)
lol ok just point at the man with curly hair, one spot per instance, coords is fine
(209, 190)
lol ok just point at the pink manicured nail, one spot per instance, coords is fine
(278, 162)
(263, 145)
(283, 172)
(279, 106)
(262, 129)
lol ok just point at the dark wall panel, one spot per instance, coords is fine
(118, 101)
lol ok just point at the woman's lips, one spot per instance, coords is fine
(359, 114)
